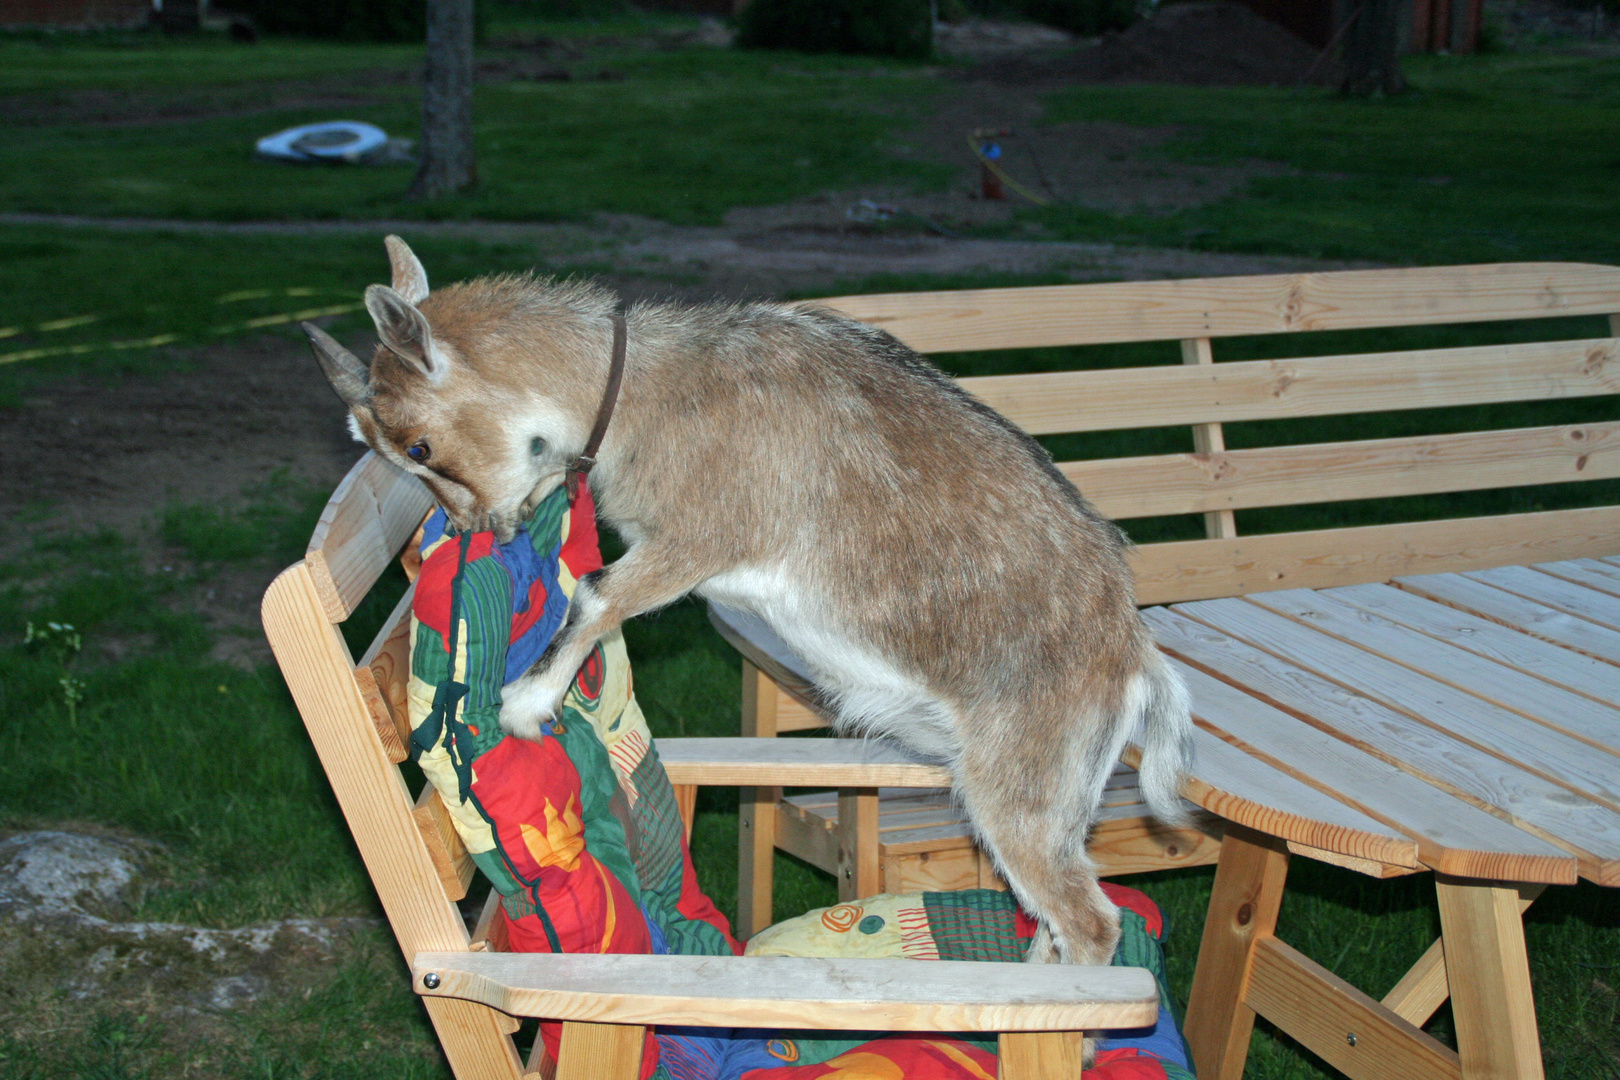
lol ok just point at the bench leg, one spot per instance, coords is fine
(1249, 880)
(1040, 1055)
(600, 1051)
(756, 812)
(858, 862)
(1488, 972)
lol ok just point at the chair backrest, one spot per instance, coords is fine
(1203, 395)
(415, 859)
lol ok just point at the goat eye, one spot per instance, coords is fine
(538, 446)
(418, 452)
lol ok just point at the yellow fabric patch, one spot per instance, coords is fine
(563, 840)
(874, 928)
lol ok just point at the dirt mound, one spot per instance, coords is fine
(1197, 44)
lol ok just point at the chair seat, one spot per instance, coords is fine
(926, 844)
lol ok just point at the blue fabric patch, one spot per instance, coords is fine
(525, 566)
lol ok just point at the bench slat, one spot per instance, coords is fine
(795, 992)
(1203, 569)
(1047, 403)
(1556, 593)
(1135, 487)
(1052, 315)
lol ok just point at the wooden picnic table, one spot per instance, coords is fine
(1466, 724)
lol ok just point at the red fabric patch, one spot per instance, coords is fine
(432, 603)
(523, 621)
(582, 551)
(1126, 1063)
(917, 1058)
(589, 907)
(1139, 903)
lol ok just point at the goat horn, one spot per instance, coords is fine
(347, 374)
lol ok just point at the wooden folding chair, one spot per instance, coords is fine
(474, 993)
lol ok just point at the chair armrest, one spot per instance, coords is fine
(794, 992)
(725, 762)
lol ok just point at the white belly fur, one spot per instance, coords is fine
(869, 693)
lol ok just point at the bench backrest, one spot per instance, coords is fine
(1203, 395)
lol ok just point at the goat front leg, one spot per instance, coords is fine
(647, 577)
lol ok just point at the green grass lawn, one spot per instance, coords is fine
(1494, 157)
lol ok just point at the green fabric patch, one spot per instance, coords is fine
(975, 924)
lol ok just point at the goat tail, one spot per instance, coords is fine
(1164, 732)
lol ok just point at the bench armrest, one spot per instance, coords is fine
(744, 762)
(794, 992)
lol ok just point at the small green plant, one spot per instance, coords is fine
(62, 643)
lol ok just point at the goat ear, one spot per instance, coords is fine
(404, 330)
(347, 374)
(410, 280)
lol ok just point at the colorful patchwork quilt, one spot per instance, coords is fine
(581, 836)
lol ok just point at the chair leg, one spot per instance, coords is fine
(1040, 1055)
(756, 812)
(1248, 891)
(600, 1051)
(1488, 971)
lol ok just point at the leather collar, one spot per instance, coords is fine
(580, 467)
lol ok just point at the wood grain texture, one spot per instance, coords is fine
(1240, 788)
(600, 1051)
(1324, 558)
(1040, 1055)
(384, 673)
(1446, 833)
(1049, 403)
(366, 523)
(793, 992)
(1592, 573)
(725, 762)
(1243, 907)
(1531, 655)
(1593, 722)
(1454, 768)
(1488, 968)
(1495, 731)
(968, 319)
(1597, 607)
(1209, 440)
(859, 855)
(1517, 613)
(1346, 1028)
(1226, 480)
(450, 857)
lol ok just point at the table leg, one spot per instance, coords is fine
(1249, 880)
(1488, 971)
(1423, 989)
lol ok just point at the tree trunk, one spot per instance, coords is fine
(447, 91)
(1372, 64)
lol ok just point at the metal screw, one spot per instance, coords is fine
(848, 873)
(431, 981)
(1351, 1038)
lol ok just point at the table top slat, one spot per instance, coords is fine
(1515, 648)
(1489, 728)
(1242, 788)
(1592, 573)
(1448, 832)
(1516, 612)
(1590, 832)
(1564, 711)
(1556, 593)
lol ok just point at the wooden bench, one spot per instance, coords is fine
(475, 992)
(1433, 454)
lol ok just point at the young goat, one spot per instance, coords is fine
(945, 583)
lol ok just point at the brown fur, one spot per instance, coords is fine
(948, 586)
